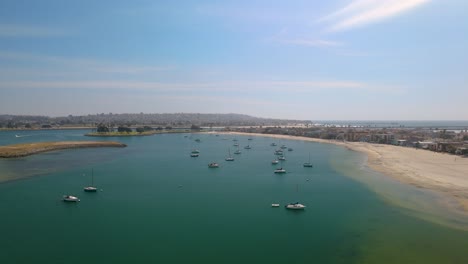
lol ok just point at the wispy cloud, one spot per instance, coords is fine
(242, 86)
(311, 42)
(362, 12)
(12, 30)
(85, 64)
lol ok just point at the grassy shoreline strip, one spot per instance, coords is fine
(27, 149)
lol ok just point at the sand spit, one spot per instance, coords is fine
(22, 150)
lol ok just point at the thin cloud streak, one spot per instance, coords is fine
(83, 63)
(312, 42)
(16, 31)
(363, 12)
(276, 86)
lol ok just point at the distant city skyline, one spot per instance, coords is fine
(321, 60)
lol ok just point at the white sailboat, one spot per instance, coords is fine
(229, 158)
(308, 164)
(296, 205)
(91, 188)
(70, 198)
(280, 170)
(213, 165)
(237, 151)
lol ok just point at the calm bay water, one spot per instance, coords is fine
(157, 204)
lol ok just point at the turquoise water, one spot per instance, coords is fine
(158, 205)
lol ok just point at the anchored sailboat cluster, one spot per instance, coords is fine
(90, 188)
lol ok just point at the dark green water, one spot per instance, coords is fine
(218, 215)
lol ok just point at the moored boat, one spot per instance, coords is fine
(213, 165)
(295, 206)
(308, 164)
(91, 188)
(70, 198)
(229, 158)
(280, 170)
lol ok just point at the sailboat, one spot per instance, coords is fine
(280, 170)
(248, 147)
(308, 164)
(296, 205)
(213, 165)
(91, 188)
(70, 198)
(229, 158)
(282, 157)
(237, 151)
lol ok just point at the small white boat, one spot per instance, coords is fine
(281, 158)
(248, 147)
(295, 206)
(275, 205)
(278, 152)
(308, 164)
(249, 139)
(195, 151)
(236, 145)
(273, 144)
(290, 149)
(70, 198)
(229, 158)
(197, 140)
(213, 165)
(280, 170)
(283, 147)
(91, 188)
(193, 155)
(274, 162)
(237, 151)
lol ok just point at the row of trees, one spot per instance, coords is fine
(103, 128)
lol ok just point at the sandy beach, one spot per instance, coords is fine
(440, 172)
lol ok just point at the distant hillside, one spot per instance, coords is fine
(174, 119)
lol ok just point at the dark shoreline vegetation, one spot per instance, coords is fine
(27, 149)
(133, 133)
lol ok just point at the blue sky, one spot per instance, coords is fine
(337, 59)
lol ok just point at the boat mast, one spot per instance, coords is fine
(92, 177)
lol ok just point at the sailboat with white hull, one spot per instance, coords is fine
(308, 164)
(91, 188)
(229, 158)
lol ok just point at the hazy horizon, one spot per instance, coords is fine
(334, 60)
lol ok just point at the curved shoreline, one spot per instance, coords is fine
(27, 149)
(442, 173)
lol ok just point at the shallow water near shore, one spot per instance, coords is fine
(156, 204)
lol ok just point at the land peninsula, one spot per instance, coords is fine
(27, 149)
